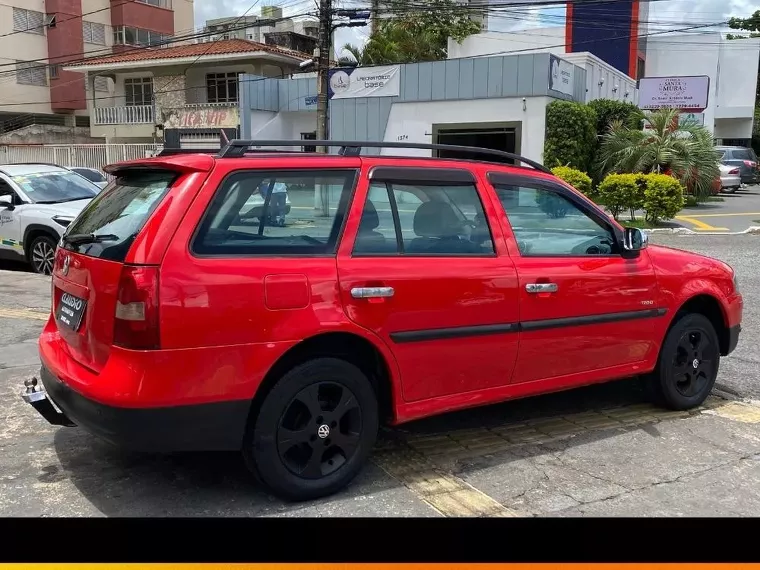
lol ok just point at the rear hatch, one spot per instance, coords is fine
(98, 300)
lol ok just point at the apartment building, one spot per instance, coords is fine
(271, 27)
(179, 95)
(39, 37)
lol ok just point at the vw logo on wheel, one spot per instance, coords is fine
(695, 363)
(323, 431)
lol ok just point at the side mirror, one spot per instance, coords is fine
(6, 202)
(634, 239)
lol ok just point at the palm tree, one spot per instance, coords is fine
(684, 150)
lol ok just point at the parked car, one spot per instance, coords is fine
(92, 174)
(745, 159)
(730, 178)
(37, 202)
(433, 285)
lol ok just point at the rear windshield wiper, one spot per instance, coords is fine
(82, 239)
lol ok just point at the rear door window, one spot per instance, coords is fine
(743, 154)
(117, 215)
(287, 212)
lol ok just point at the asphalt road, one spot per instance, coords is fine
(735, 213)
(599, 451)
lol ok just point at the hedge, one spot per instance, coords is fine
(570, 135)
(620, 192)
(575, 178)
(659, 195)
(663, 197)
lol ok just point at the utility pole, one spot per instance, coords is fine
(323, 67)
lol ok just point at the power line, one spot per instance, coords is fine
(79, 17)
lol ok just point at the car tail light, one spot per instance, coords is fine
(136, 320)
(750, 163)
(734, 171)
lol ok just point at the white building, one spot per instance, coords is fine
(493, 102)
(731, 66)
(603, 81)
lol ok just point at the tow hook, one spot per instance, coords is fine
(38, 399)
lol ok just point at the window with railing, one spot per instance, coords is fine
(130, 36)
(31, 73)
(94, 33)
(138, 91)
(222, 87)
(28, 21)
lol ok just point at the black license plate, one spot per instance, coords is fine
(70, 311)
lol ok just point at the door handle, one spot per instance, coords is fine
(372, 292)
(541, 287)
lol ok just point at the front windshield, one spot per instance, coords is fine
(55, 187)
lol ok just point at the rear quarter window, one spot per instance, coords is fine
(120, 213)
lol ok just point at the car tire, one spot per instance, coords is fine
(41, 254)
(687, 365)
(314, 430)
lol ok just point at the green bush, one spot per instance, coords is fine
(608, 112)
(575, 178)
(663, 197)
(570, 135)
(619, 192)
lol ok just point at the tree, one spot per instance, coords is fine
(570, 135)
(417, 33)
(684, 150)
(608, 111)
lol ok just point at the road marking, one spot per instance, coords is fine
(738, 412)
(699, 226)
(447, 494)
(23, 314)
(725, 215)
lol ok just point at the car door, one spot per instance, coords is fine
(10, 225)
(584, 305)
(421, 267)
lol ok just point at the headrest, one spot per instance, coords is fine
(436, 219)
(370, 219)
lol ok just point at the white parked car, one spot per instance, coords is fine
(92, 174)
(730, 178)
(37, 202)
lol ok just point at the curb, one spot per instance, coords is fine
(752, 230)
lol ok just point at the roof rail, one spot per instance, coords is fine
(238, 148)
(218, 152)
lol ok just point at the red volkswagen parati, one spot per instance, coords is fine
(397, 288)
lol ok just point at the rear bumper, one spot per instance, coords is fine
(204, 427)
(750, 178)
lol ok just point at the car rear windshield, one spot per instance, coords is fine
(115, 217)
(743, 154)
(55, 187)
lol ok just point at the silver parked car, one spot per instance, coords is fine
(92, 174)
(730, 178)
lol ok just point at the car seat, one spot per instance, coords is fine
(367, 239)
(439, 229)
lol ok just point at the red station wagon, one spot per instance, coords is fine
(398, 288)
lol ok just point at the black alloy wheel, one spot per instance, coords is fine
(694, 362)
(320, 430)
(42, 255)
(314, 430)
(688, 364)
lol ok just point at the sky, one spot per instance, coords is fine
(663, 14)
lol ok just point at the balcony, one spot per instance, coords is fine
(133, 115)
